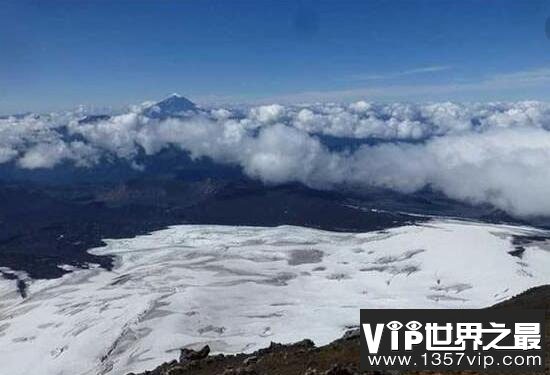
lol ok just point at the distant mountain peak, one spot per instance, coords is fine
(93, 119)
(175, 105)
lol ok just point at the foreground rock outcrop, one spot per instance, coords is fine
(340, 357)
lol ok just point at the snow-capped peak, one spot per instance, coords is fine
(174, 105)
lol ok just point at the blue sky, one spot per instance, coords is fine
(59, 54)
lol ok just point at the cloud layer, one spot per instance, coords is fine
(483, 153)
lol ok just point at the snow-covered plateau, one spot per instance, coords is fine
(238, 288)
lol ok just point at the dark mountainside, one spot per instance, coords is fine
(43, 226)
(173, 106)
(340, 357)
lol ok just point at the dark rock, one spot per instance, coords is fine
(351, 334)
(240, 371)
(250, 360)
(340, 370)
(518, 252)
(311, 371)
(187, 355)
(306, 343)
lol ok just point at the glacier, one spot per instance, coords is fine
(239, 288)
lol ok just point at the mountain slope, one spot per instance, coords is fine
(340, 357)
(239, 288)
(173, 106)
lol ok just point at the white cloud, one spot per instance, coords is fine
(402, 73)
(267, 113)
(44, 155)
(505, 167)
(7, 154)
(47, 155)
(280, 154)
(495, 153)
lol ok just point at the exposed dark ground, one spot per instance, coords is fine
(341, 357)
(44, 224)
(52, 217)
(43, 227)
